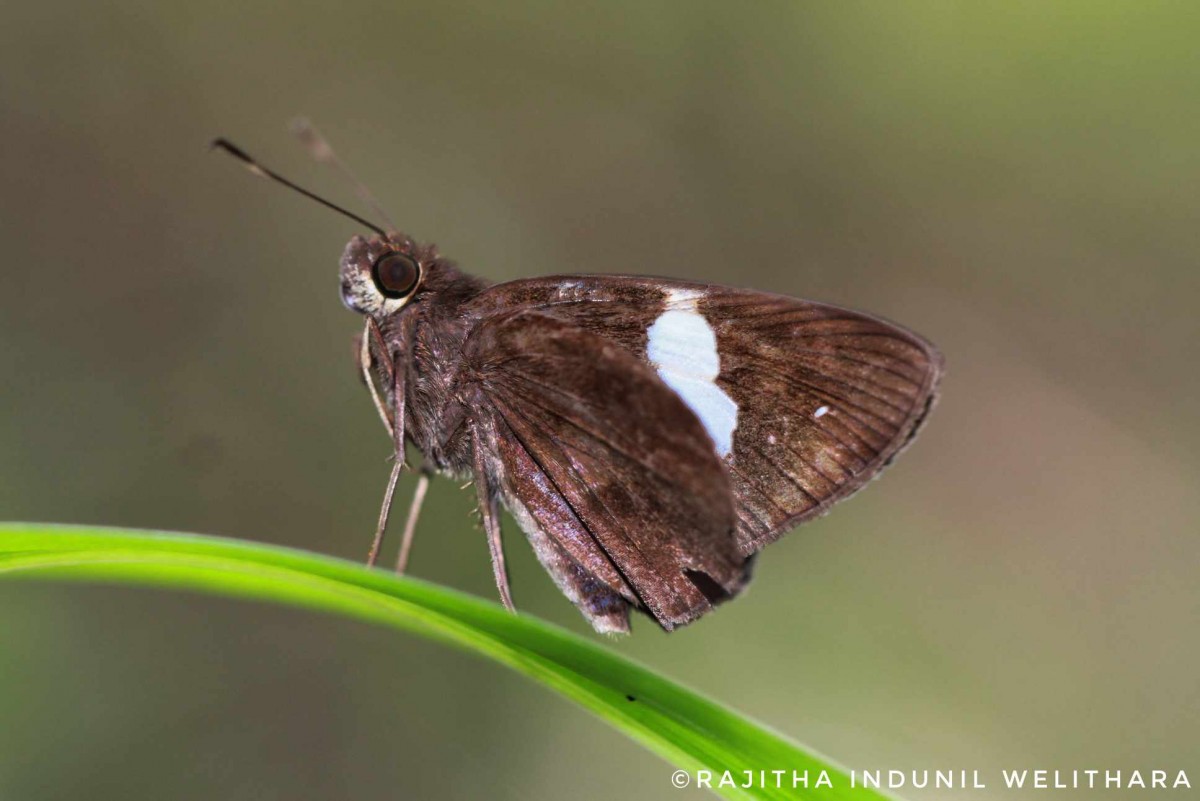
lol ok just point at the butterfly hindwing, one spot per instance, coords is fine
(803, 402)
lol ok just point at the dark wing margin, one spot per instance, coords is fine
(610, 475)
(826, 397)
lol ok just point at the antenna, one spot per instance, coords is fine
(318, 147)
(263, 172)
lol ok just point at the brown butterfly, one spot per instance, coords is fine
(648, 435)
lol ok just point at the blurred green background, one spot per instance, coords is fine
(1017, 181)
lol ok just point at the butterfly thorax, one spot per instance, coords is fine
(425, 339)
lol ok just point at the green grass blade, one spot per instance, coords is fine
(687, 729)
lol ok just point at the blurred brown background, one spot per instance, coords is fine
(1017, 181)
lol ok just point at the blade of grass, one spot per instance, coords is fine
(679, 724)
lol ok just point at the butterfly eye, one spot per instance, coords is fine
(395, 275)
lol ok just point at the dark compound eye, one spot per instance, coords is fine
(395, 275)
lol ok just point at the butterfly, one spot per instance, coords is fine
(648, 435)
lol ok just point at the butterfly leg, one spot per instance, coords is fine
(385, 511)
(371, 334)
(489, 509)
(393, 422)
(414, 511)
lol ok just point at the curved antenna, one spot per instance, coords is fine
(318, 147)
(263, 172)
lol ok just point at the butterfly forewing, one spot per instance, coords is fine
(597, 449)
(803, 402)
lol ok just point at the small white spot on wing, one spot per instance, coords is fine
(821, 412)
(568, 290)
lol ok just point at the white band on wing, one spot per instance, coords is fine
(682, 346)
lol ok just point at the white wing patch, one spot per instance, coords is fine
(682, 346)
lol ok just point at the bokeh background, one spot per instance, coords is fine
(1017, 181)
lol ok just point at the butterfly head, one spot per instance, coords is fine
(381, 274)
